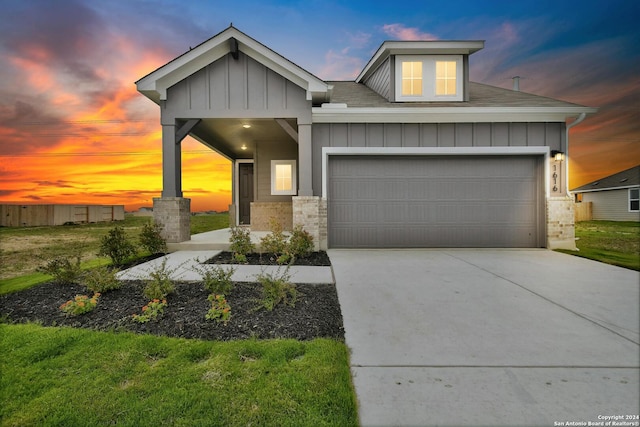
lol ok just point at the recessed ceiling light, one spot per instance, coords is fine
(246, 126)
(244, 147)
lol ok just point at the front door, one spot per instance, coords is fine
(245, 192)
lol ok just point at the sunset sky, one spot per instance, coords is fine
(73, 128)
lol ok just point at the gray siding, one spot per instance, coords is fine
(431, 135)
(265, 152)
(236, 89)
(612, 205)
(380, 80)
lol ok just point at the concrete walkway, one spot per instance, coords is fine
(185, 265)
(488, 337)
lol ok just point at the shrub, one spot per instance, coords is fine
(216, 279)
(277, 288)
(151, 311)
(300, 243)
(65, 270)
(159, 284)
(275, 242)
(241, 244)
(220, 310)
(116, 246)
(80, 304)
(151, 238)
(101, 279)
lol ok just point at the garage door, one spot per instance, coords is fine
(435, 201)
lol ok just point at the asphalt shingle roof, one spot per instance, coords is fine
(626, 178)
(357, 95)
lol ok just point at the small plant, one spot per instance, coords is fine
(160, 284)
(101, 279)
(151, 311)
(277, 288)
(241, 244)
(220, 310)
(116, 246)
(216, 279)
(80, 304)
(275, 242)
(300, 243)
(151, 238)
(65, 270)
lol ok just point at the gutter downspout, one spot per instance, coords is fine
(576, 122)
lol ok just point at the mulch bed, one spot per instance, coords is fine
(316, 312)
(317, 259)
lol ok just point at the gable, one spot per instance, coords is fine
(155, 85)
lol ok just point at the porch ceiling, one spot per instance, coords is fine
(228, 136)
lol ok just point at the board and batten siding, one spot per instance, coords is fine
(431, 135)
(379, 80)
(230, 88)
(611, 205)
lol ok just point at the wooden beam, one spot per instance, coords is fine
(184, 130)
(288, 129)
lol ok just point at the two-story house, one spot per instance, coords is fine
(409, 154)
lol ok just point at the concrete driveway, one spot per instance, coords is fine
(489, 337)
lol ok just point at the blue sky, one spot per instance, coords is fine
(70, 63)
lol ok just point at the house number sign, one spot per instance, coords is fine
(555, 178)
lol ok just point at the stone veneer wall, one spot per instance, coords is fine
(561, 223)
(311, 213)
(174, 214)
(262, 212)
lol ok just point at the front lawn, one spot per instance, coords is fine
(66, 376)
(611, 242)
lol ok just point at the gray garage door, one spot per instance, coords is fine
(435, 201)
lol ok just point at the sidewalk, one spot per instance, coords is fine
(182, 264)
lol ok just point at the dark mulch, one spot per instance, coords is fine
(316, 312)
(318, 259)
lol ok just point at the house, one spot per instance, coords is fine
(614, 198)
(409, 154)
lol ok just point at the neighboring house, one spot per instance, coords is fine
(410, 154)
(614, 198)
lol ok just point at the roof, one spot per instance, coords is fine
(625, 179)
(155, 84)
(356, 103)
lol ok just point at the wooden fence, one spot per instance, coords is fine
(583, 211)
(39, 215)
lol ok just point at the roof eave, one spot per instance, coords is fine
(446, 114)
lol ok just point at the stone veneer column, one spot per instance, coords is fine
(174, 214)
(311, 213)
(561, 223)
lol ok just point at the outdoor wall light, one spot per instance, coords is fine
(558, 156)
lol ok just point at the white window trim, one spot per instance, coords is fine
(294, 181)
(629, 199)
(428, 78)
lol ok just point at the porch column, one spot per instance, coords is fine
(304, 159)
(171, 163)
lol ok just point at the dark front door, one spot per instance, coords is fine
(245, 192)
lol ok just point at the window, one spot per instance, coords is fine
(425, 78)
(283, 177)
(411, 78)
(634, 200)
(445, 77)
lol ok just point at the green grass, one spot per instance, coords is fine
(66, 376)
(611, 242)
(23, 249)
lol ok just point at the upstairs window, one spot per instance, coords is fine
(412, 78)
(446, 77)
(421, 78)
